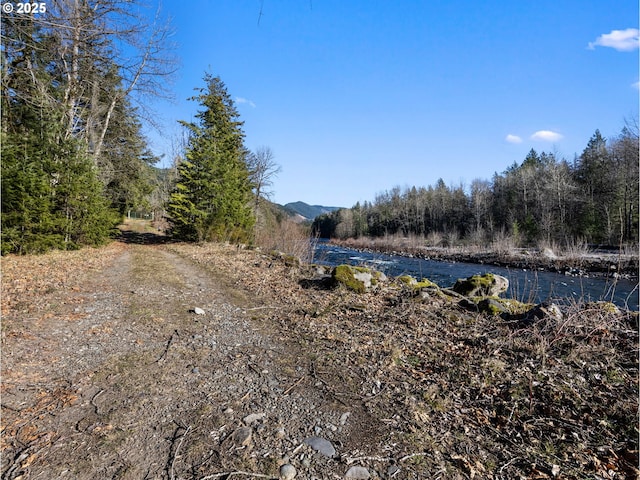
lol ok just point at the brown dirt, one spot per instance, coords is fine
(107, 374)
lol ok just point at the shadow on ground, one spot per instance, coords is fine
(143, 238)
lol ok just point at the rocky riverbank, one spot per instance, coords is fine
(592, 263)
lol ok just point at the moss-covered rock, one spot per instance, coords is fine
(603, 307)
(410, 281)
(544, 310)
(496, 306)
(492, 306)
(487, 285)
(358, 279)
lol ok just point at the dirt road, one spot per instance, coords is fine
(108, 372)
(115, 376)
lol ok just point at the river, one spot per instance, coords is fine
(524, 285)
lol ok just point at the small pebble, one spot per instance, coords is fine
(321, 446)
(360, 473)
(253, 418)
(288, 472)
(242, 436)
(344, 417)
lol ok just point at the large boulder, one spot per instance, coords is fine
(487, 285)
(358, 279)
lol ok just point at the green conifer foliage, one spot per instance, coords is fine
(211, 200)
(51, 195)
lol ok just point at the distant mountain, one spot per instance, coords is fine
(309, 212)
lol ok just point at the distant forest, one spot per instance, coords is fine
(592, 199)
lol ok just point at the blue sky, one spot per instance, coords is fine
(355, 97)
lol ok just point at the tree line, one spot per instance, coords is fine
(75, 82)
(74, 158)
(545, 198)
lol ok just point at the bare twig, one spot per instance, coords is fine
(93, 400)
(246, 474)
(175, 454)
(166, 349)
(286, 392)
(407, 457)
(350, 460)
(508, 463)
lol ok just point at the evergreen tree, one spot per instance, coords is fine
(593, 175)
(211, 200)
(126, 162)
(51, 197)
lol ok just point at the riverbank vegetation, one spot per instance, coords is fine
(545, 200)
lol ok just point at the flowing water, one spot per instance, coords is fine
(524, 285)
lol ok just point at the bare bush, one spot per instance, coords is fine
(435, 239)
(504, 244)
(575, 251)
(286, 236)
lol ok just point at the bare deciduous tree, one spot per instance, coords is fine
(107, 51)
(263, 169)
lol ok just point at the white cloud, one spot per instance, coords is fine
(622, 40)
(513, 139)
(546, 136)
(636, 85)
(240, 100)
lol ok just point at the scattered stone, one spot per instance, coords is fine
(253, 418)
(392, 470)
(280, 433)
(198, 311)
(288, 472)
(321, 446)
(358, 472)
(242, 436)
(344, 417)
(321, 270)
(548, 310)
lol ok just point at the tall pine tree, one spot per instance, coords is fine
(211, 200)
